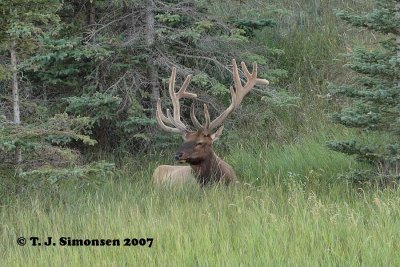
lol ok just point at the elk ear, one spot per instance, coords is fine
(185, 135)
(215, 136)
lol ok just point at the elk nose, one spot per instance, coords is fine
(178, 155)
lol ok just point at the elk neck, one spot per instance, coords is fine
(208, 170)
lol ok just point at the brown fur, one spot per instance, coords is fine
(207, 166)
(214, 169)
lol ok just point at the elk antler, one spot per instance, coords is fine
(174, 120)
(237, 96)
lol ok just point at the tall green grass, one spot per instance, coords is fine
(306, 159)
(241, 225)
(288, 210)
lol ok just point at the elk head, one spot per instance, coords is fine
(197, 147)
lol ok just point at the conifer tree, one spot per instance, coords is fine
(375, 91)
(27, 29)
(22, 21)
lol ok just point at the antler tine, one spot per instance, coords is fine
(180, 126)
(160, 113)
(174, 99)
(174, 120)
(240, 90)
(254, 74)
(161, 120)
(221, 118)
(207, 118)
(195, 121)
(247, 72)
(182, 92)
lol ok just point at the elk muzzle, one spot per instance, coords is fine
(178, 156)
(185, 152)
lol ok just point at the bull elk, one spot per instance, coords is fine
(204, 165)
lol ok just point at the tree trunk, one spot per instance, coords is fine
(397, 163)
(397, 167)
(15, 95)
(398, 45)
(150, 38)
(92, 13)
(398, 36)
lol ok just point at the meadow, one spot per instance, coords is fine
(294, 211)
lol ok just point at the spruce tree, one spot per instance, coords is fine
(22, 21)
(28, 37)
(375, 92)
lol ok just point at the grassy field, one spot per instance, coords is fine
(281, 214)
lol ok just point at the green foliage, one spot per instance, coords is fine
(250, 25)
(375, 93)
(382, 19)
(59, 129)
(204, 26)
(5, 73)
(281, 99)
(60, 60)
(43, 145)
(189, 36)
(97, 107)
(24, 20)
(236, 35)
(364, 153)
(169, 19)
(131, 123)
(104, 110)
(210, 84)
(94, 170)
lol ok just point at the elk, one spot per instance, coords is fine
(204, 165)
